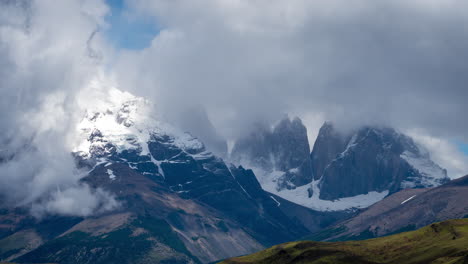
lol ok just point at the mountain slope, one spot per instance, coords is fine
(405, 210)
(445, 242)
(152, 219)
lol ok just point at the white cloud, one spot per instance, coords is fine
(76, 201)
(443, 152)
(393, 62)
(44, 63)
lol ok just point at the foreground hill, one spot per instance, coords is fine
(444, 242)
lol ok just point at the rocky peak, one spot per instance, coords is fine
(371, 159)
(345, 169)
(279, 154)
(327, 145)
(290, 144)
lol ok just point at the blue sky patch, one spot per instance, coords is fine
(463, 147)
(126, 31)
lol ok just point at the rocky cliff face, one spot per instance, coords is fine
(328, 144)
(281, 154)
(345, 170)
(371, 159)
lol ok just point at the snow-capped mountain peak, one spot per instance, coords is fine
(118, 121)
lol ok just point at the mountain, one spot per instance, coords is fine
(344, 170)
(405, 210)
(180, 203)
(279, 154)
(371, 160)
(445, 242)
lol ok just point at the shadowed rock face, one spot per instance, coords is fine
(328, 145)
(375, 160)
(290, 144)
(284, 149)
(371, 159)
(198, 175)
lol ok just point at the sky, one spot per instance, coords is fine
(125, 31)
(396, 63)
(463, 147)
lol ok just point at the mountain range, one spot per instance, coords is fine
(184, 201)
(345, 170)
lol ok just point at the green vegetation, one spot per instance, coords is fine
(15, 243)
(441, 243)
(80, 247)
(145, 240)
(403, 229)
(163, 232)
(326, 233)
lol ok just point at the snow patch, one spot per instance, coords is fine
(352, 143)
(115, 121)
(277, 203)
(407, 200)
(431, 172)
(111, 174)
(300, 195)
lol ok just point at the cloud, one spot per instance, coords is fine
(444, 152)
(45, 61)
(76, 201)
(398, 63)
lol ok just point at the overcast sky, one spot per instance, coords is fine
(391, 62)
(397, 63)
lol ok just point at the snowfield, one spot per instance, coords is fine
(300, 195)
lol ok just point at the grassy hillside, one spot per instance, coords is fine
(444, 242)
(143, 241)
